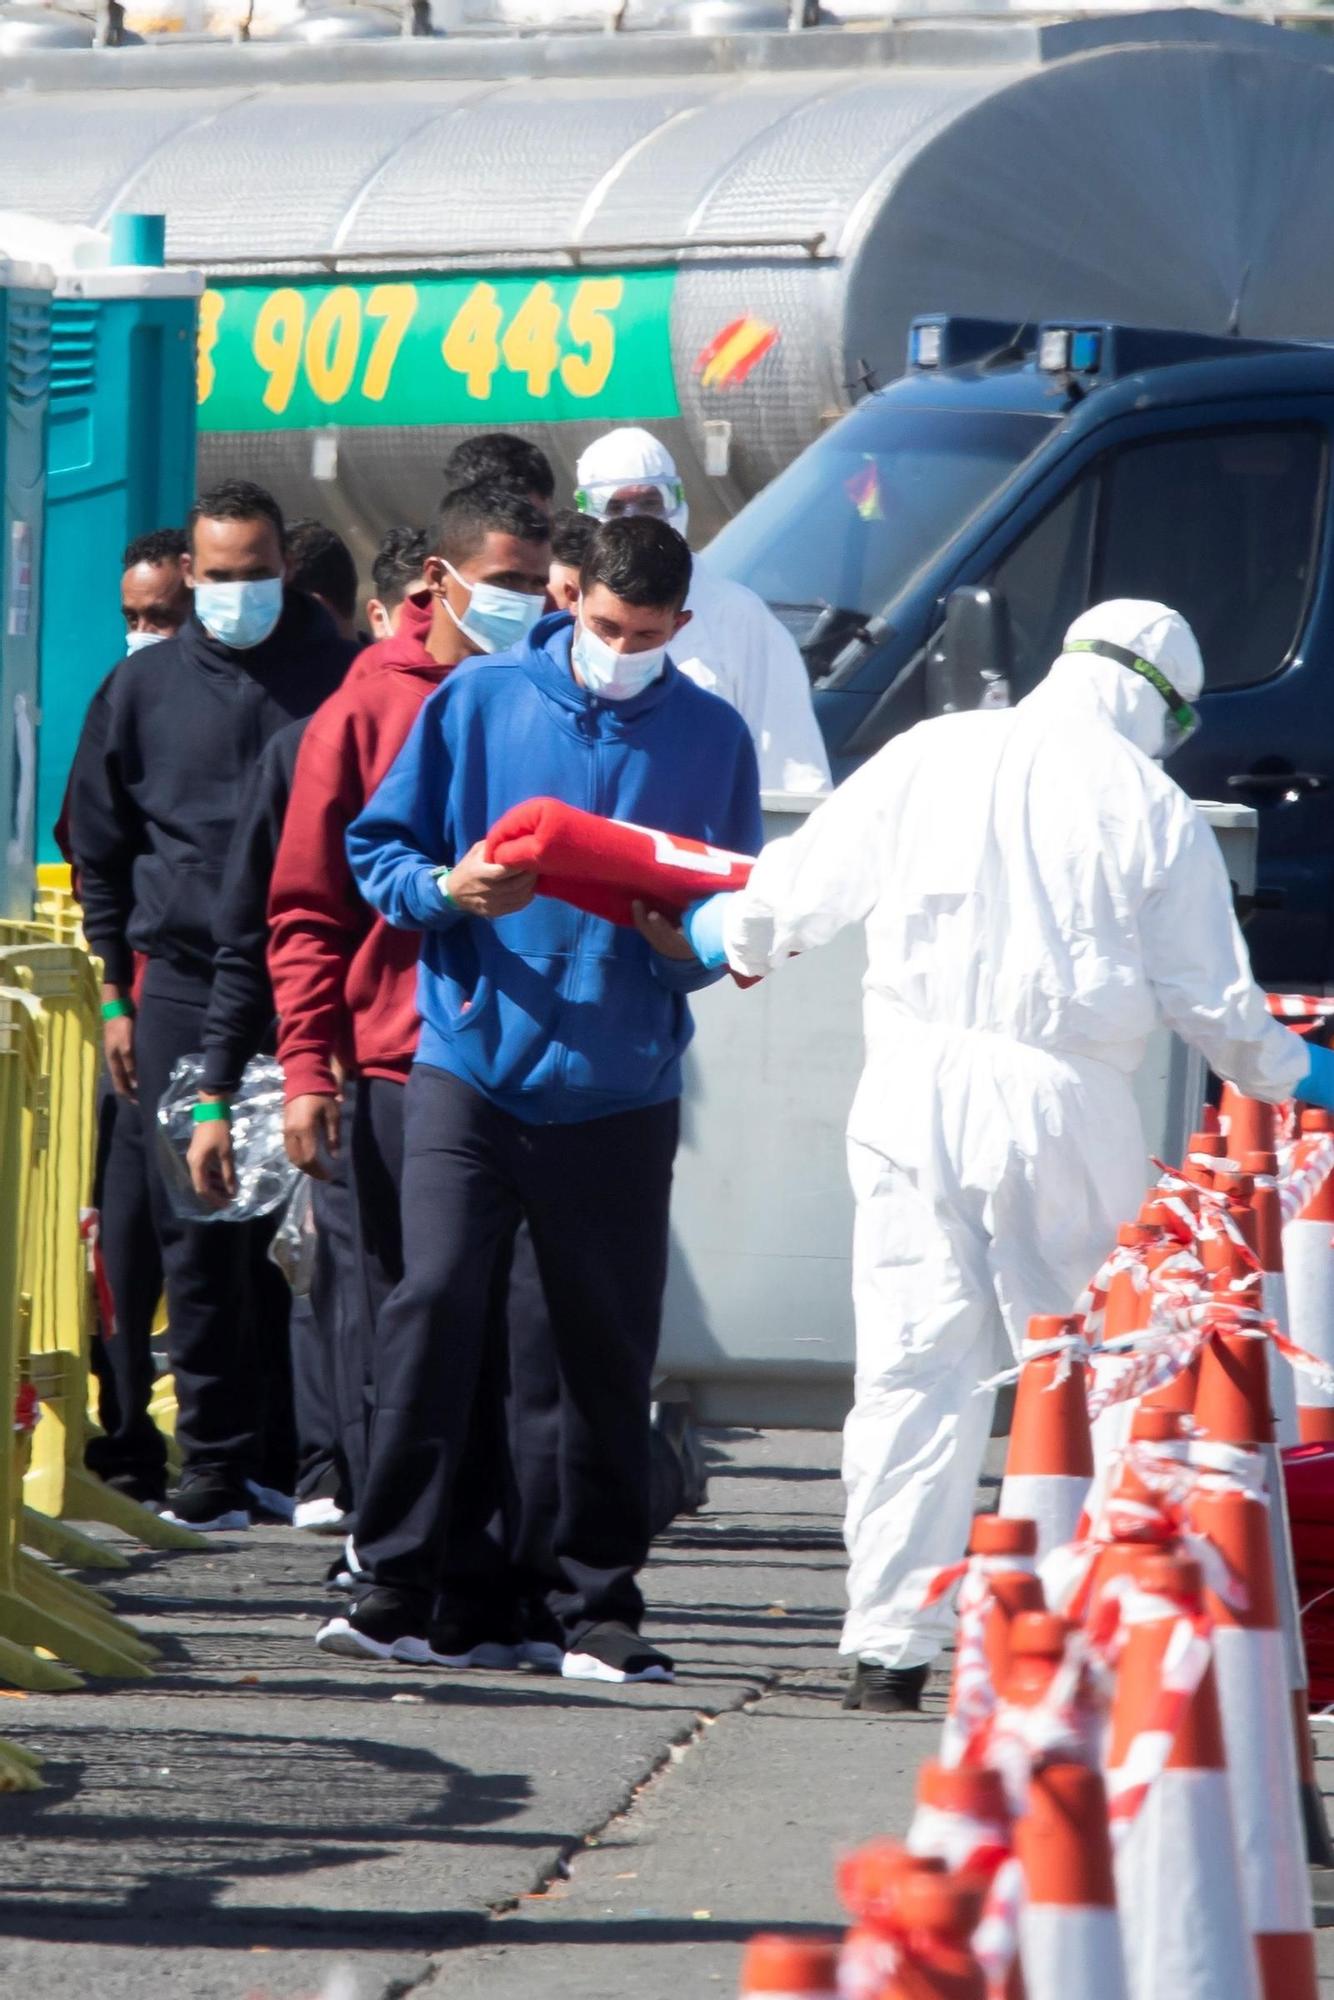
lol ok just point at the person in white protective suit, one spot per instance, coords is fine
(733, 646)
(1037, 894)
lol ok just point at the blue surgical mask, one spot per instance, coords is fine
(497, 619)
(610, 675)
(135, 642)
(240, 615)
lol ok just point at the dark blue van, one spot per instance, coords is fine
(944, 534)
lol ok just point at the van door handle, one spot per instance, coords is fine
(1279, 781)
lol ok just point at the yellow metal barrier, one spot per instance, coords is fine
(59, 1486)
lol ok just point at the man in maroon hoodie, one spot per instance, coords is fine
(345, 983)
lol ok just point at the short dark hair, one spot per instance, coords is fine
(498, 458)
(571, 536)
(639, 559)
(398, 562)
(236, 500)
(161, 545)
(321, 564)
(467, 517)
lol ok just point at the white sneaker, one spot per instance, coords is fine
(321, 1516)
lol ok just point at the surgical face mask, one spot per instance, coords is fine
(136, 641)
(1183, 718)
(610, 675)
(240, 615)
(497, 619)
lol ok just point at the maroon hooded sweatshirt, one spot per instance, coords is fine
(345, 983)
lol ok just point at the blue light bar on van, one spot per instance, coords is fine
(926, 341)
(1070, 350)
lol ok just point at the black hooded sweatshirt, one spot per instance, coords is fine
(152, 820)
(239, 1021)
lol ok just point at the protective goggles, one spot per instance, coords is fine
(1183, 718)
(610, 499)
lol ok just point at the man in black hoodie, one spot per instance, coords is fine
(150, 827)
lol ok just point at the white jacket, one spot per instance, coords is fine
(1032, 874)
(735, 647)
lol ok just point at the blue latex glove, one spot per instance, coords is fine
(1317, 1086)
(703, 926)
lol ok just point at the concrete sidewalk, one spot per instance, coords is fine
(264, 1822)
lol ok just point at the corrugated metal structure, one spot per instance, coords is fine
(724, 238)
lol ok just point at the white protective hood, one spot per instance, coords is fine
(1133, 706)
(628, 456)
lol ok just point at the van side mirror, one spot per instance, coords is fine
(968, 662)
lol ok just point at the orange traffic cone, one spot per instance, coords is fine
(1258, 1738)
(1126, 1311)
(1250, 1126)
(798, 1968)
(1177, 1874)
(1008, 1548)
(1267, 1210)
(1232, 1407)
(938, 1914)
(962, 1817)
(1069, 1939)
(1308, 1259)
(1049, 1464)
(868, 1882)
(1178, 1395)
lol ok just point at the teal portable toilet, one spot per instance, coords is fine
(120, 461)
(25, 353)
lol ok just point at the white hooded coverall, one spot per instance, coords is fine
(733, 646)
(1037, 895)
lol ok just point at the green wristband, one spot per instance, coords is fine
(216, 1111)
(442, 884)
(117, 1010)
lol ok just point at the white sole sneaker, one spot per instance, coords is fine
(490, 1656)
(587, 1667)
(222, 1524)
(320, 1517)
(341, 1636)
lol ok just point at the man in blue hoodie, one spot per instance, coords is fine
(545, 1089)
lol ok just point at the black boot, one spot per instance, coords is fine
(881, 1690)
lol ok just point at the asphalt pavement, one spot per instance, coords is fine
(261, 1821)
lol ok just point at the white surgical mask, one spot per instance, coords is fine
(611, 675)
(135, 642)
(240, 615)
(497, 618)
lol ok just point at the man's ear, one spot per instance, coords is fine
(683, 617)
(434, 573)
(379, 620)
(188, 570)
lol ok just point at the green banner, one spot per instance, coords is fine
(436, 350)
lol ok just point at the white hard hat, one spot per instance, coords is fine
(626, 458)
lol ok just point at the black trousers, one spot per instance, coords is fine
(595, 1198)
(319, 1333)
(123, 1360)
(507, 1534)
(227, 1305)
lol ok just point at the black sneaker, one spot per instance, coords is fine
(379, 1626)
(462, 1642)
(878, 1690)
(613, 1652)
(149, 1492)
(211, 1502)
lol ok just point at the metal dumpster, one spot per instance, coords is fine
(758, 1324)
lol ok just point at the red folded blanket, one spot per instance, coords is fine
(606, 865)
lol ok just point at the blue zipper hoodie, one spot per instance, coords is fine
(554, 1015)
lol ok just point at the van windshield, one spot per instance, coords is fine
(834, 539)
